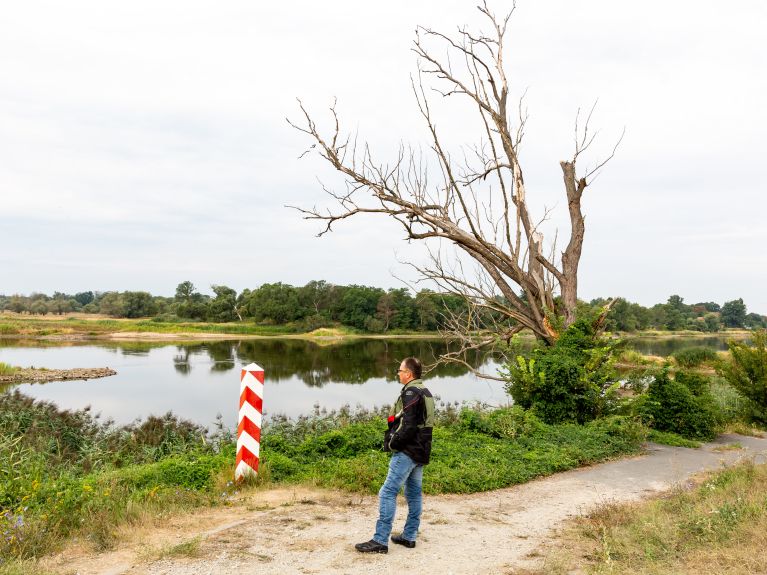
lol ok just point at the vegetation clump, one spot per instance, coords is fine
(572, 380)
(280, 308)
(746, 371)
(511, 445)
(694, 356)
(680, 404)
(66, 472)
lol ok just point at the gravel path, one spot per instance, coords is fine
(305, 531)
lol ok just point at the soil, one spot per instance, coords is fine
(32, 375)
(302, 530)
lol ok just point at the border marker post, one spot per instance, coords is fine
(249, 421)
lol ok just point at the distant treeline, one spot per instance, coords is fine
(321, 304)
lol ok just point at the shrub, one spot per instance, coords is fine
(694, 356)
(572, 380)
(681, 405)
(506, 422)
(746, 371)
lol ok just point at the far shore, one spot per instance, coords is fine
(84, 327)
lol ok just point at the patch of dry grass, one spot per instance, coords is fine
(742, 428)
(188, 549)
(718, 527)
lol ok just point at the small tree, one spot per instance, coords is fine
(734, 313)
(746, 371)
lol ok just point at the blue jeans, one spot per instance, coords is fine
(402, 471)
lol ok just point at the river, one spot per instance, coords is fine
(199, 381)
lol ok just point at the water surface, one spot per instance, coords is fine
(200, 380)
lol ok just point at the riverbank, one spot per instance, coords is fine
(84, 327)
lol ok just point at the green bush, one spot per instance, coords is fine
(572, 380)
(746, 371)
(682, 405)
(694, 356)
(506, 422)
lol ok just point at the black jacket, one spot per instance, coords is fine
(410, 423)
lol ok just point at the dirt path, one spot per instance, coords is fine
(306, 531)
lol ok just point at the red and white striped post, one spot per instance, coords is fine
(249, 423)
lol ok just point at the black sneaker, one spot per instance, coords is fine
(400, 540)
(372, 547)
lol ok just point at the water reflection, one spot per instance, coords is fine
(316, 365)
(197, 381)
(665, 346)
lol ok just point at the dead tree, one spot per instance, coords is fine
(480, 204)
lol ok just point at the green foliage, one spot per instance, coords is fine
(506, 422)
(363, 308)
(59, 468)
(672, 439)
(755, 321)
(6, 369)
(572, 380)
(65, 473)
(510, 445)
(682, 405)
(734, 313)
(694, 356)
(732, 406)
(746, 371)
(223, 307)
(138, 304)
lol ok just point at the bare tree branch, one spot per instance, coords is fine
(479, 202)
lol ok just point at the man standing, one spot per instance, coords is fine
(409, 438)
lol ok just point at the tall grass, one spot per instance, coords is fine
(6, 369)
(66, 472)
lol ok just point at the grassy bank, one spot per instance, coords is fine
(41, 327)
(510, 446)
(95, 326)
(720, 527)
(79, 325)
(67, 474)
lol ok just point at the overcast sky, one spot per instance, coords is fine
(144, 143)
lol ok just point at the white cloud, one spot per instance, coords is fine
(143, 143)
